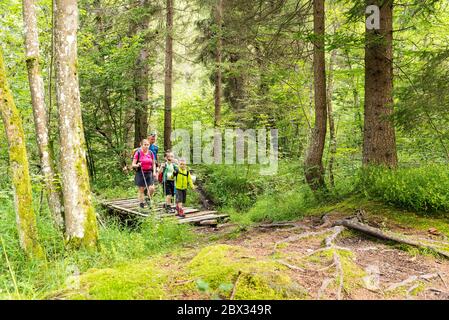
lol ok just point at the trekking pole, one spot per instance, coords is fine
(146, 185)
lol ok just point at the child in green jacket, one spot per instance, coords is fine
(168, 179)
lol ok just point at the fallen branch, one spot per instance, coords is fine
(278, 225)
(234, 289)
(352, 224)
(436, 290)
(442, 279)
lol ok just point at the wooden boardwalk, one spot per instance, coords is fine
(130, 208)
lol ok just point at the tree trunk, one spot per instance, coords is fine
(332, 133)
(355, 95)
(236, 85)
(21, 181)
(80, 218)
(141, 82)
(39, 110)
(218, 58)
(168, 76)
(313, 164)
(379, 142)
(141, 92)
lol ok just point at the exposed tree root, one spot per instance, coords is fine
(338, 273)
(301, 236)
(324, 285)
(411, 280)
(326, 223)
(329, 245)
(290, 266)
(355, 225)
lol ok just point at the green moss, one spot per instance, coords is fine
(268, 287)
(21, 180)
(144, 280)
(256, 279)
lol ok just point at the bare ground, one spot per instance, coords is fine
(371, 268)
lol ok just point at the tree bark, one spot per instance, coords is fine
(218, 61)
(141, 83)
(39, 111)
(313, 164)
(80, 217)
(18, 160)
(355, 95)
(379, 141)
(330, 112)
(168, 76)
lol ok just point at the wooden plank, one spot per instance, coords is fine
(120, 200)
(127, 210)
(201, 218)
(125, 202)
(131, 207)
(190, 215)
(112, 200)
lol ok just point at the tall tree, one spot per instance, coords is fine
(313, 164)
(80, 218)
(142, 79)
(218, 57)
(168, 76)
(39, 110)
(379, 141)
(18, 160)
(330, 113)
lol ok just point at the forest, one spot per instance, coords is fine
(224, 149)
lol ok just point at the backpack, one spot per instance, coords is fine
(183, 174)
(138, 157)
(160, 176)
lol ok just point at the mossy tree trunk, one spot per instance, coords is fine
(80, 218)
(18, 160)
(40, 112)
(313, 164)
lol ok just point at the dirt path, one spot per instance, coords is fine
(371, 269)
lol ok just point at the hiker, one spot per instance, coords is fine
(182, 179)
(144, 163)
(153, 147)
(168, 179)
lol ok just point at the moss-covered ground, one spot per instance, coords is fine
(247, 262)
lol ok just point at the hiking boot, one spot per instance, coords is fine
(149, 202)
(181, 213)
